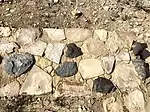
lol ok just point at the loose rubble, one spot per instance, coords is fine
(76, 62)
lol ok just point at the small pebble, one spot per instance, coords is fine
(18, 63)
(103, 85)
(73, 51)
(67, 69)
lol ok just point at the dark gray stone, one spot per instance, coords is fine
(67, 69)
(141, 67)
(103, 85)
(137, 49)
(73, 51)
(18, 63)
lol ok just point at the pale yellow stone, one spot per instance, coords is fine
(90, 68)
(43, 62)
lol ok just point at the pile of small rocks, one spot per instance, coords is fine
(74, 61)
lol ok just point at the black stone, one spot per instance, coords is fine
(73, 51)
(67, 69)
(103, 85)
(138, 48)
(19, 63)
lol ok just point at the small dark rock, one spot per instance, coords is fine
(18, 63)
(67, 69)
(138, 48)
(73, 51)
(103, 85)
(140, 67)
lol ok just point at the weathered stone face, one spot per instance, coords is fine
(103, 85)
(73, 51)
(18, 64)
(67, 69)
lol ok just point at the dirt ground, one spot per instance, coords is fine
(92, 14)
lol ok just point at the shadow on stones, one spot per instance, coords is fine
(139, 49)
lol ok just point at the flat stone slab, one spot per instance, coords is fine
(37, 82)
(55, 34)
(90, 68)
(77, 34)
(11, 89)
(37, 48)
(54, 51)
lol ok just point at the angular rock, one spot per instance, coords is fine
(5, 31)
(11, 89)
(113, 42)
(37, 82)
(125, 77)
(27, 36)
(90, 68)
(7, 47)
(135, 101)
(43, 62)
(137, 48)
(67, 69)
(96, 47)
(19, 63)
(127, 38)
(140, 67)
(77, 34)
(37, 48)
(101, 34)
(54, 51)
(73, 51)
(103, 85)
(108, 64)
(123, 56)
(55, 34)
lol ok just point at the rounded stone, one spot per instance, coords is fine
(103, 85)
(18, 63)
(73, 51)
(67, 69)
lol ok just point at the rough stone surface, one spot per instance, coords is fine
(37, 48)
(5, 31)
(90, 68)
(27, 36)
(67, 69)
(123, 56)
(77, 34)
(19, 63)
(135, 101)
(55, 34)
(73, 51)
(11, 89)
(54, 51)
(43, 62)
(113, 105)
(7, 47)
(96, 47)
(101, 34)
(103, 85)
(137, 48)
(108, 64)
(125, 77)
(37, 82)
(140, 67)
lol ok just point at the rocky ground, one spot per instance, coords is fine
(74, 56)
